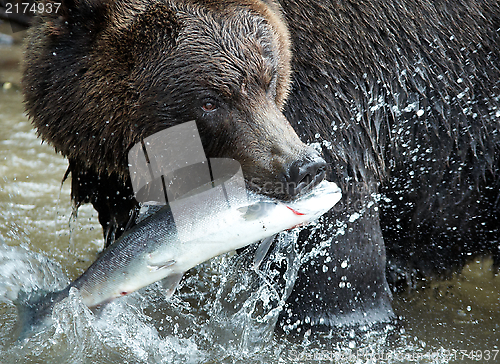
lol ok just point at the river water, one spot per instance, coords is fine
(223, 312)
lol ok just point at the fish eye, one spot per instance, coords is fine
(209, 105)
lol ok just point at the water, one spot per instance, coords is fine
(224, 311)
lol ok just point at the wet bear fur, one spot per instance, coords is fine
(401, 97)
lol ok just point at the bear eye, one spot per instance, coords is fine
(209, 106)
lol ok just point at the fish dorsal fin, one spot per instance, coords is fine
(162, 265)
(262, 250)
(170, 283)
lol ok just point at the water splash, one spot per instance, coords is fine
(235, 321)
(224, 312)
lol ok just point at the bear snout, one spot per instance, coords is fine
(305, 173)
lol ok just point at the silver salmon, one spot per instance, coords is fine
(177, 238)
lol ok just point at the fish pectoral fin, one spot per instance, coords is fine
(256, 210)
(262, 250)
(170, 283)
(155, 267)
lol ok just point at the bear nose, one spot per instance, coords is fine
(305, 173)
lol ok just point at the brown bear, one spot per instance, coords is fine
(402, 98)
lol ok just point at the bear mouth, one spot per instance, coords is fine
(286, 191)
(309, 182)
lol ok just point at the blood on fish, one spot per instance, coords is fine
(124, 293)
(295, 211)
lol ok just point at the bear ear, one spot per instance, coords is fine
(88, 14)
(157, 24)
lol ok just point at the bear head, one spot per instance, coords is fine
(102, 75)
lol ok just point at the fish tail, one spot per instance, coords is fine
(34, 311)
